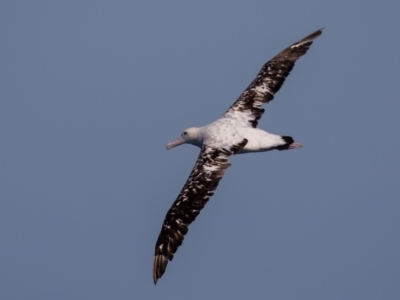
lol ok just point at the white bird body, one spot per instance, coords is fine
(223, 133)
(259, 140)
(234, 133)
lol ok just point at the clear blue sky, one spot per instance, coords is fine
(91, 91)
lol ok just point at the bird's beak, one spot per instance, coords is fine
(173, 144)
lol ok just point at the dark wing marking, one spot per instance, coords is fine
(248, 107)
(239, 146)
(203, 180)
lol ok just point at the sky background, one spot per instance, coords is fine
(91, 92)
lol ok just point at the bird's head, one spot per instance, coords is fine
(189, 136)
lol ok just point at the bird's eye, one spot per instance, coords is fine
(185, 133)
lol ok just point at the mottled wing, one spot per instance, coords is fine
(248, 108)
(203, 180)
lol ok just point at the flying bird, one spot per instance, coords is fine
(235, 132)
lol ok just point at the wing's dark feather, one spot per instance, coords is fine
(268, 81)
(203, 180)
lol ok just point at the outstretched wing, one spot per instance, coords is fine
(203, 180)
(248, 108)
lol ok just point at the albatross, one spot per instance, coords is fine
(235, 132)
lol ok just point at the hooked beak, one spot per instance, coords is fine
(173, 144)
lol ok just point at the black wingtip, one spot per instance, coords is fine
(319, 31)
(159, 267)
(311, 36)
